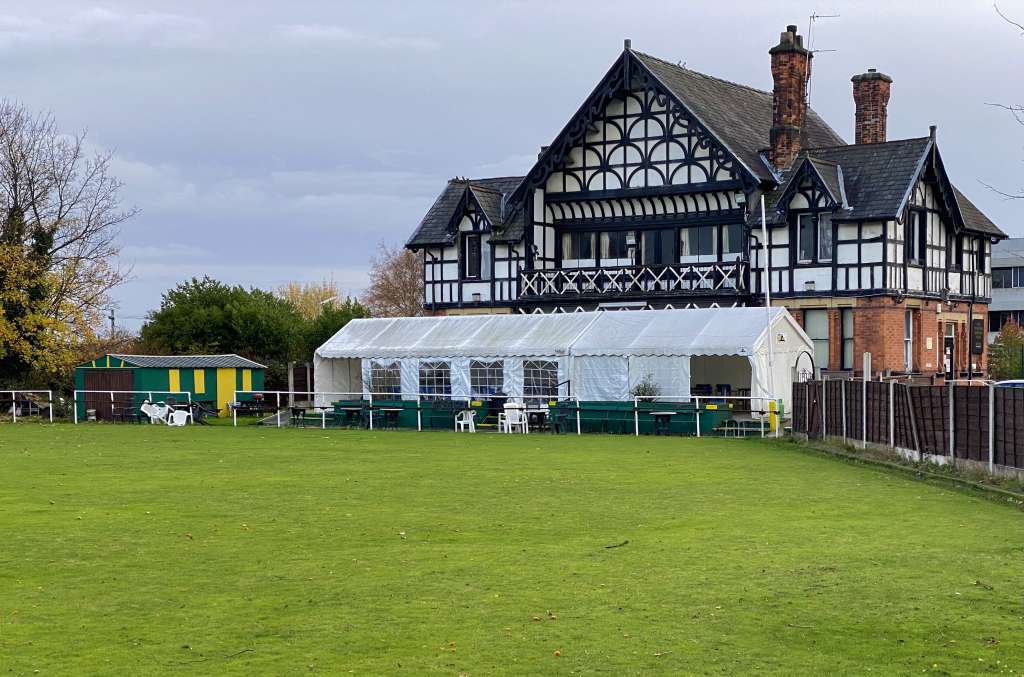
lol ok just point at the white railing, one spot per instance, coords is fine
(689, 278)
(111, 393)
(14, 400)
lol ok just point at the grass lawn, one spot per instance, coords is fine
(137, 550)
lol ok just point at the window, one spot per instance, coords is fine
(697, 243)
(982, 259)
(1002, 278)
(954, 251)
(917, 237)
(825, 237)
(805, 237)
(435, 380)
(614, 245)
(540, 380)
(577, 247)
(658, 247)
(908, 341)
(847, 328)
(385, 378)
(471, 256)
(486, 378)
(816, 326)
(732, 239)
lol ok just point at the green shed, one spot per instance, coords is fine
(114, 382)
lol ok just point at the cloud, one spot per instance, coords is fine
(340, 35)
(98, 26)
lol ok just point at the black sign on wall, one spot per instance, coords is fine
(977, 336)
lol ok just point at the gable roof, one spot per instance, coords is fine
(437, 227)
(877, 179)
(738, 115)
(974, 219)
(230, 361)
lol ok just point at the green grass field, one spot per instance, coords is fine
(138, 550)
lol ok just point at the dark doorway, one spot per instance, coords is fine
(104, 403)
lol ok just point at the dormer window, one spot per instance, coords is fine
(917, 237)
(814, 237)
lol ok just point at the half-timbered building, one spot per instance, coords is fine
(651, 197)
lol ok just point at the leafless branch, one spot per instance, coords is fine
(1008, 19)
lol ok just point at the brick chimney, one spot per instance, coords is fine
(791, 68)
(870, 98)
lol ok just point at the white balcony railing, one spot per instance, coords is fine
(707, 279)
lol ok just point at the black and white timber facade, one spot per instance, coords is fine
(650, 197)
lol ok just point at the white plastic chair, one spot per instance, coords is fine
(465, 420)
(179, 417)
(515, 417)
(155, 412)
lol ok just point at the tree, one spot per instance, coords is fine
(309, 298)
(207, 316)
(70, 213)
(396, 283)
(1015, 109)
(332, 317)
(1006, 354)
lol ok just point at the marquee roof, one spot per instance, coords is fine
(708, 331)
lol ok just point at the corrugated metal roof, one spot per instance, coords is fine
(230, 361)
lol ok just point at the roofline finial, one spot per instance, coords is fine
(627, 44)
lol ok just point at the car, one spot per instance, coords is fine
(1013, 383)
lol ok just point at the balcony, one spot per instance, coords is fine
(681, 279)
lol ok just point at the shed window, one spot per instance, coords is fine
(435, 380)
(385, 378)
(540, 381)
(486, 378)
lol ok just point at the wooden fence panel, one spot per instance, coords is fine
(800, 407)
(902, 422)
(855, 409)
(878, 412)
(970, 410)
(1009, 427)
(931, 416)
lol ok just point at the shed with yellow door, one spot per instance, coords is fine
(113, 382)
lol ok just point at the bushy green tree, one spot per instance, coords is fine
(1006, 354)
(332, 317)
(207, 316)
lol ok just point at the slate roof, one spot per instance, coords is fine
(437, 227)
(974, 219)
(877, 178)
(738, 115)
(231, 361)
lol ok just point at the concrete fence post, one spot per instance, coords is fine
(842, 403)
(892, 414)
(991, 428)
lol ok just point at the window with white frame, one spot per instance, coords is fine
(732, 240)
(435, 380)
(825, 245)
(846, 322)
(816, 326)
(540, 381)
(486, 379)
(615, 246)
(698, 244)
(578, 249)
(385, 378)
(908, 341)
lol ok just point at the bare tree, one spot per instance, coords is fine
(1015, 109)
(68, 204)
(396, 283)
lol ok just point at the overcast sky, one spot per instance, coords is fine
(267, 141)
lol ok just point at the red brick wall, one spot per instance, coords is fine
(871, 100)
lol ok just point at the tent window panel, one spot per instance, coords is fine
(435, 380)
(486, 379)
(540, 381)
(385, 378)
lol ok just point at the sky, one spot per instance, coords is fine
(269, 141)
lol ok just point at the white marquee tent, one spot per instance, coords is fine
(597, 355)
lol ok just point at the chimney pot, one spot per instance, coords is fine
(871, 101)
(791, 68)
